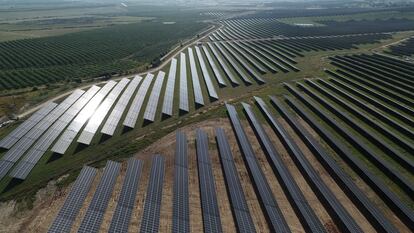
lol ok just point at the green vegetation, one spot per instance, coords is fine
(381, 15)
(87, 41)
(88, 54)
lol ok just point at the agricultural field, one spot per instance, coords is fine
(210, 120)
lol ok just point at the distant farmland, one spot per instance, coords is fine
(33, 62)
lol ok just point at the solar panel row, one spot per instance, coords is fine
(151, 109)
(214, 67)
(209, 205)
(388, 196)
(97, 118)
(151, 216)
(133, 112)
(181, 209)
(223, 65)
(233, 63)
(254, 53)
(344, 220)
(96, 210)
(210, 86)
(73, 203)
(123, 211)
(249, 59)
(377, 219)
(277, 223)
(167, 107)
(76, 125)
(246, 66)
(244, 222)
(198, 94)
(273, 56)
(25, 166)
(309, 219)
(27, 125)
(20, 148)
(183, 84)
(116, 114)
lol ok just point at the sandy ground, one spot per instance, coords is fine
(50, 199)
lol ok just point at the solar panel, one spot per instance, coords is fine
(8, 141)
(376, 218)
(151, 109)
(246, 66)
(183, 84)
(96, 119)
(198, 94)
(76, 125)
(309, 219)
(223, 65)
(210, 86)
(359, 166)
(73, 203)
(133, 112)
(345, 221)
(214, 67)
(264, 50)
(23, 168)
(181, 209)
(233, 63)
(123, 211)
(277, 223)
(167, 107)
(253, 52)
(96, 210)
(116, 114)
(209, 205)
(244, 222)
(151, 215)
(18, 150)
(249, 59)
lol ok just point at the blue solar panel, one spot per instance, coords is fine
(74, 201)
(181, 209)
(151, 216)
(309, 219)
(209, 205)
(277, 222)
(122, 216)
(96, 210)
(244, 222)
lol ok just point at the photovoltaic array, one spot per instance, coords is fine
(76, 125)
(151, 215)
(113, 120)
(209, 205)
(96, 209)
(126, 202)
(132, 115)
(74, 201)
(241, 213)
(274, 215)
(181, 208)
(167, 107)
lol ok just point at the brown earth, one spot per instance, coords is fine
(50, 199)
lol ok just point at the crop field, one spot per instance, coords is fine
(96, 44)
(262, 123)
